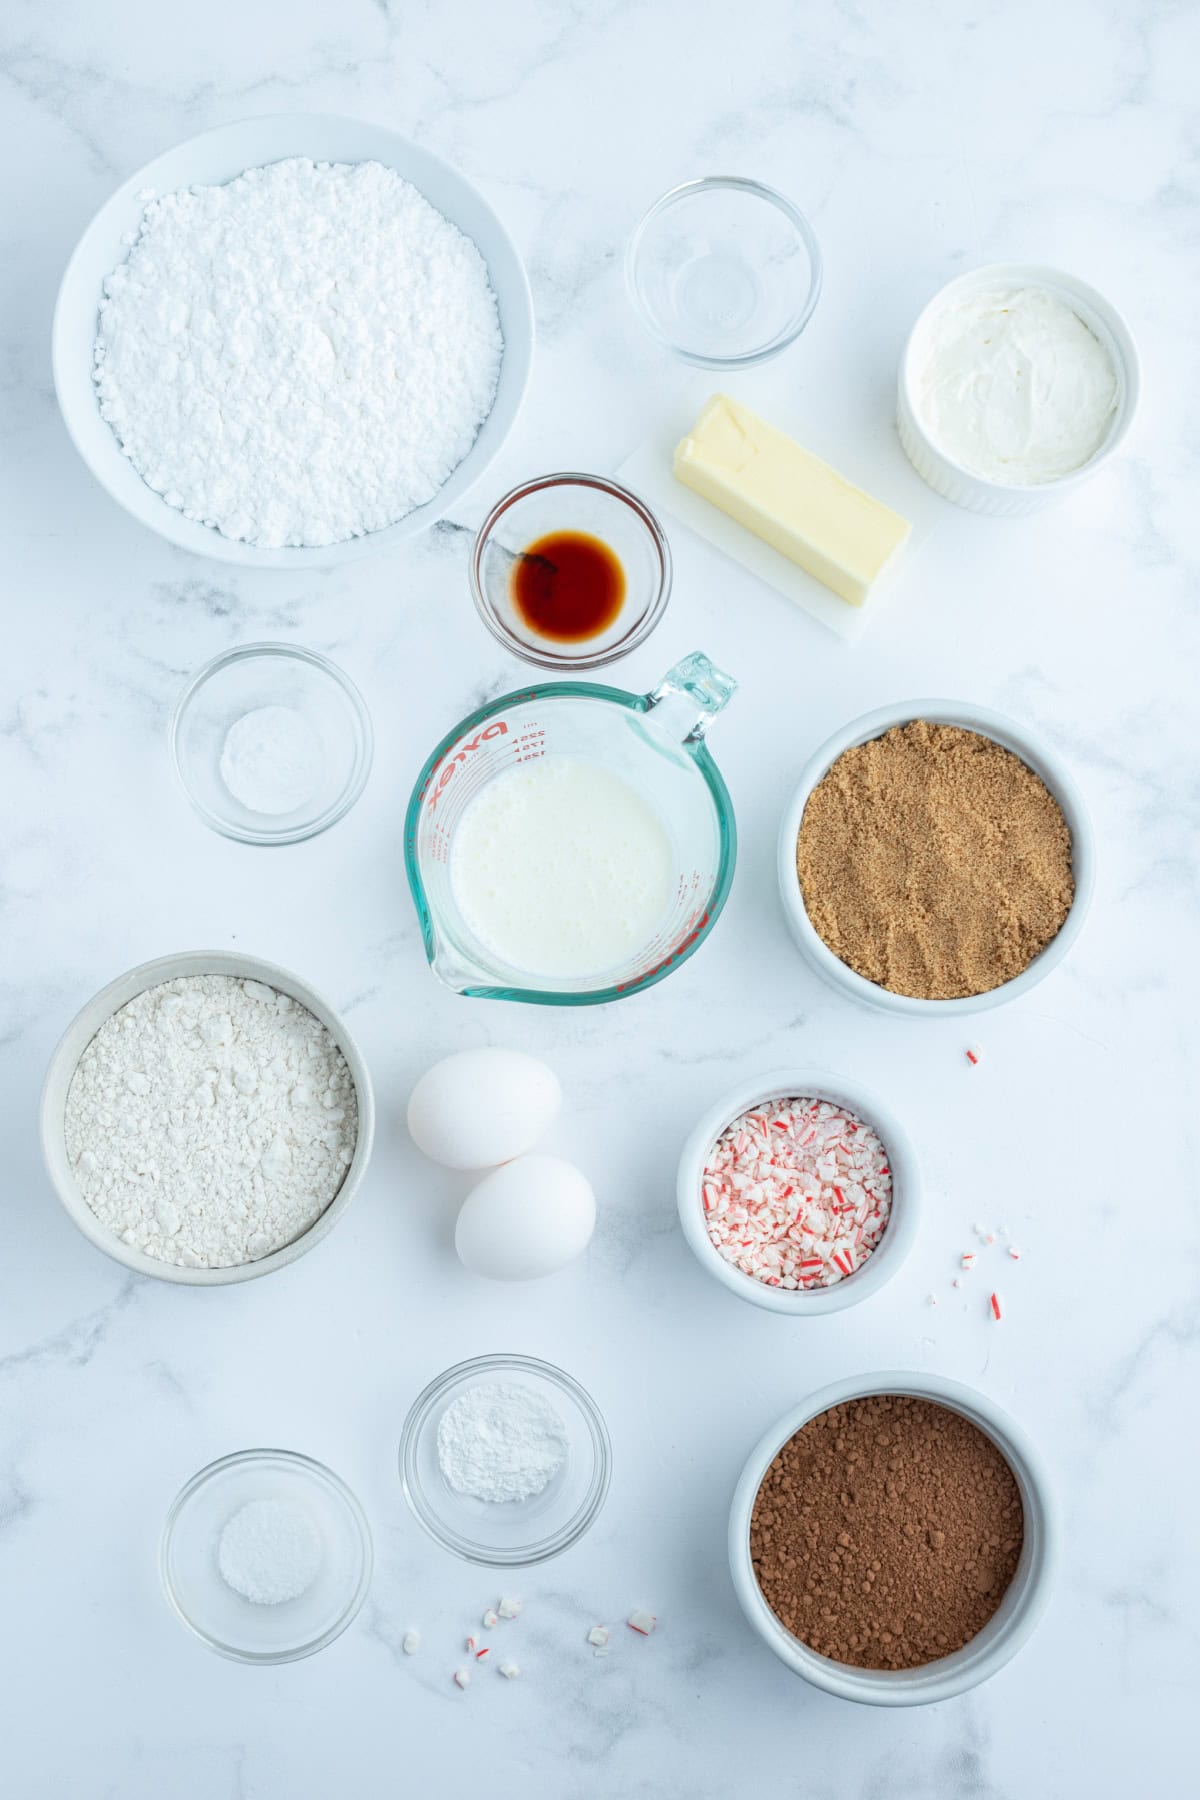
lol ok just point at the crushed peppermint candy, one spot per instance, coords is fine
(472, 1644)
(509, 1669)
(482, 1655)
(1014, 1253)
(599, 1636)
(411, 1643)
(489, 1619)
(509, 1609)
(641, 1621)
(462, 1678)
(994, 1306)
(797, 1193)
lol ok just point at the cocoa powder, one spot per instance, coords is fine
(886, 1532)
(934, 862)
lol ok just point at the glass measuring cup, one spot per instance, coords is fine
(655, 742)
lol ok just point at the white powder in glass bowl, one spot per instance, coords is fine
(269, 1552)
(300, 356)
(271, 760)
(501, 1441)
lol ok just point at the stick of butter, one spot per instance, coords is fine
(789, 498)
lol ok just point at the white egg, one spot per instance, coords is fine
(482, 1107)
(528, 1219)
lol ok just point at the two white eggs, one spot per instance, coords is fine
(485, 1109)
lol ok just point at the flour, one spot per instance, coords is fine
(269, 1552)
(500, 1441)
(271, 760)
(298, 357)
(210, 1121)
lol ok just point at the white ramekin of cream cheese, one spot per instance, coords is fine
(1017, 382)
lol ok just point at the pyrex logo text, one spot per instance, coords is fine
(496, 729)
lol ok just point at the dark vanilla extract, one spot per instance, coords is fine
(567, 586)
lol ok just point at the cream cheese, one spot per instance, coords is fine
(1012, 385)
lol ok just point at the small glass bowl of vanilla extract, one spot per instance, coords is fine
(571, 571)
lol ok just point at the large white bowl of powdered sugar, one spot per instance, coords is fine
(292, 341)
(207, 1118)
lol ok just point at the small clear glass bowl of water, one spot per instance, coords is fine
(724, 272)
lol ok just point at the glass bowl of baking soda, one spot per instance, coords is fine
(266, 1555)
(272, 743)
(505, 1460)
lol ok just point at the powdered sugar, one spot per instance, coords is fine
(500, 1441)
(210, 1121)
(300, 356)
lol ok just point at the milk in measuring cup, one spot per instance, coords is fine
(560, 867)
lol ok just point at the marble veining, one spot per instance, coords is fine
(922, 140)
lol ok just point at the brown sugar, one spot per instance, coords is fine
(934, 862)
(886, 1532)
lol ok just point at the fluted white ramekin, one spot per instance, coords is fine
(1009, 1626)
(998, 498)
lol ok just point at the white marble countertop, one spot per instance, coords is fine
(922, 140)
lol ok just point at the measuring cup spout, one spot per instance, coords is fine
(458, 972)
(689, 697)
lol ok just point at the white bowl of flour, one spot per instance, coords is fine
(207, 1118)
(302, 367)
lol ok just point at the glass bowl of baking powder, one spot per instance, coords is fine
(516, 1504)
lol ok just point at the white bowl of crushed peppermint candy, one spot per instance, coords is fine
(799, 1191)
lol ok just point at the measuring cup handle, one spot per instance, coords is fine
(691, 694)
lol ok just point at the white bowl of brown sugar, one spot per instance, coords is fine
(893, 1539)
(936, 858)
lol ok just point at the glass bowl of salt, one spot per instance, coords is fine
(505, 1460)
(266, 1555)
(272, 743)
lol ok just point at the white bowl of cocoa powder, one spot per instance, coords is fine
(916, 1529)
(945, 864)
